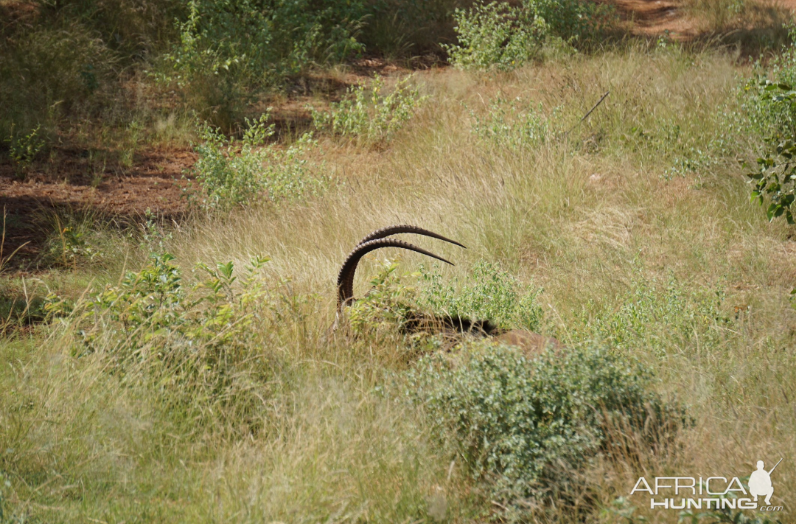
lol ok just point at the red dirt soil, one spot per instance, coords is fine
(154, 182)
(656, 17)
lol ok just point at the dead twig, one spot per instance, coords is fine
(600, 101)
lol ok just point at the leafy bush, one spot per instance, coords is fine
(769, 106)
(764, 113)
(489, 294)
(775, 180)
(193, 342)
(370, 114)
(775, 177)
(387, 305)
(495, 35)
(525, 428)
(23, 150)
(232, 173)
(511, 124)
(227, 49)
(503, 36)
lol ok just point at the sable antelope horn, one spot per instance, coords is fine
(397, 230)
(345, 279)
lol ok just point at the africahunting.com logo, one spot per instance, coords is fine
(685, 493)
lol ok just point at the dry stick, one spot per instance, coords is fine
(587, 114)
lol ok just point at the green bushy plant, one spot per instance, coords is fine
(504, 36)
(488, 294)
(233, 172)
(766, 114)
(526, 427)
(385, 309)
(192, 341)
(23, 150)
(768, 101)
(369, 113)
(774, 180)
(226, 52)
(495, 35)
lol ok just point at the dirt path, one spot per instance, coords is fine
(657, 17)
(72, 183)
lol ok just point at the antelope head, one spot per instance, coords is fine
(531, 343)
(377, 240)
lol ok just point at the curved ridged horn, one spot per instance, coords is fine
(345, 279)
(397, 230)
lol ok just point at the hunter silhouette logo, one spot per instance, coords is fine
(710, 492)
(760, 482)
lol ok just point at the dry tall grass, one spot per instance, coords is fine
(625, 248)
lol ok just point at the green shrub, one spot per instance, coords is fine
(764, 114)
(504, 36)
(231, 173)
(193, 343)
(769, 108)
(369, 114)
(229, 49)
(526, 428)
(386, 306)
(774, 179)
(23, 150)
(495, 35)
(489, 294)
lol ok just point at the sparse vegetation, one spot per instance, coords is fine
(231, 173)
(368, 113)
